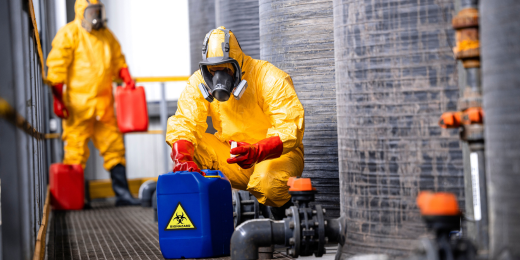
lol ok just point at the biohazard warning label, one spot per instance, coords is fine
(180, 220)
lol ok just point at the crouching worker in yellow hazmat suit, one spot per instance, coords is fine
(251, 102)
(86, 57)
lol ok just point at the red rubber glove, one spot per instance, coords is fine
(124, 74)
(182, 156)
(250, 154)
(59, 107)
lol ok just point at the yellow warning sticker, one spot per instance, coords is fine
(180, 220)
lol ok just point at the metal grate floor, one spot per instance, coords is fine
(106, 232)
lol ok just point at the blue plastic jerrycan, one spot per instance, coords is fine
(195, 214)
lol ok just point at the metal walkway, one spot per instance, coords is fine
(106, 232)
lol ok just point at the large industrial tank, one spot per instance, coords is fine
(500, 32)
(298, 37)
(395, 75)
(202, 20)
(241, 17)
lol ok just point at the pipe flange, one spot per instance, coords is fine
(293, 232)
(320, 219)
(237, 208)
(256, 208)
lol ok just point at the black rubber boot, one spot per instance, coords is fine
(120, 186)
(87, 196)
(278, 213)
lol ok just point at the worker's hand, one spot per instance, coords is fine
(250, 154)
(182, 157)
(124, 74)
(59, 107)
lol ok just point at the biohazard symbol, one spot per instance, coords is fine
(179, 220)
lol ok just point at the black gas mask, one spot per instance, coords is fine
(94, 17)
(220, 85)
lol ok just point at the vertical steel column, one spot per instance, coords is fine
(164, 120)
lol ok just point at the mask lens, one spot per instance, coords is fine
(228, 68)
(95, 16)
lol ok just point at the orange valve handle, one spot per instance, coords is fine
(300, 184)
(451, 120)
(438, 204)
(473, 115)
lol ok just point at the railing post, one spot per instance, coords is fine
(164, 119)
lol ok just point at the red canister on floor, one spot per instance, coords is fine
(132, 112)
(67, 186)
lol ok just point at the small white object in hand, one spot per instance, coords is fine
(233, 145)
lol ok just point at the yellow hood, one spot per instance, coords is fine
(80, 6)
(215, 46)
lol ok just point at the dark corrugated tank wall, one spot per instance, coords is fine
(395, 75)
(241, 17)
(298, 37)
(202, 20)
(500, 33)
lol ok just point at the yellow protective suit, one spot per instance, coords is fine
(269, 107)
(87, 63)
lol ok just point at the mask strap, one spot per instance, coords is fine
(225, 45)
(205, 46)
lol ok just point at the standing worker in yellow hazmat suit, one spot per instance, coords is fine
(264, 116)
(86, 57)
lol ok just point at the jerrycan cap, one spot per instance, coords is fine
(212, 174)
(300, 184)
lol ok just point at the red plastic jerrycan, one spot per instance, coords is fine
(67, 186)
(132, 112)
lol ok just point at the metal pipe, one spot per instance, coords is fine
(146, 192)
(500, 31)
(476, 192)
(473, 80)
(466, 23)
(479, 197)
(468, 4)
(253, 234)
(336, 230)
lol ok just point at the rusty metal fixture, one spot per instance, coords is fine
(471, 63)
(467, 37)
(470, 117)
(472, 133)
(466, 18)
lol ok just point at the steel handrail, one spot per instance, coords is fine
(161, 79)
